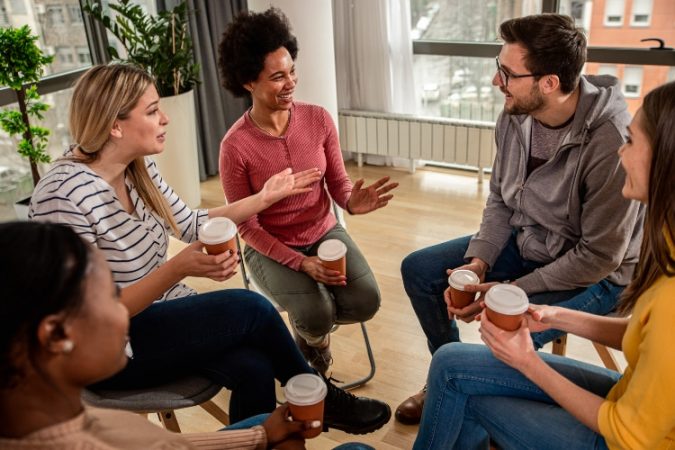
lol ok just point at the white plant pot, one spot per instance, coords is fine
(179, 162)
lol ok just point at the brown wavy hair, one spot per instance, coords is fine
(656, 260)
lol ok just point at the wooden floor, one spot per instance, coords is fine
(430, 206)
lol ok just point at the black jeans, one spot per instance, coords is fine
(233, 337)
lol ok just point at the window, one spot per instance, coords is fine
(18, 6)
(641, 14)
(64, 55)
(75, 13)
(83, 55)
(614, 13)
(457, 87)
(607, 69)
(55, 15)
(463, 20)
(4, 18)
(632, 81)
(15, 178)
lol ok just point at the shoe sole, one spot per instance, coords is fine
(363, 430)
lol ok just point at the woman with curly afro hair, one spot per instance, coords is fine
(257, 58)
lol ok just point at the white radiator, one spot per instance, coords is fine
(454, 141)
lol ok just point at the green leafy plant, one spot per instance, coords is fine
(160, 44)
(22, 64)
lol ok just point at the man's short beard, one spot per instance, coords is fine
(527, 106)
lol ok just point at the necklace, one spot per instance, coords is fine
(264, 130)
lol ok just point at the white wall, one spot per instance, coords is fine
(312, 25)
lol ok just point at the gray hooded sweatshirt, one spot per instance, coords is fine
(569, 213)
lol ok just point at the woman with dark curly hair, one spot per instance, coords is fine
(257, 54)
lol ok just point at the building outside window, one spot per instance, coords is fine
(614, 10)
(18, 6)
(4, 18)
(55, 15)
(641, 13)
(63, 55)
(83, 56)
(608, 69)
(632, 81)
(75, 14)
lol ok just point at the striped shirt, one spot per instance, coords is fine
(134, 244)
(249, 157)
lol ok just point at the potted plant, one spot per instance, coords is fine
(161, 45)
(22, 64)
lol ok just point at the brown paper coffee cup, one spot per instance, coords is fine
(218, 235)
(457, 280)
(505, 305)
(333, 255)
(305, 394)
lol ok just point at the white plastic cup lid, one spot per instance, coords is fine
(305, 389)
(459, 278)
(507, 299)
(217, 230)
(331, 250)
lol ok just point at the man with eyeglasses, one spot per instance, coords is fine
(555, 223)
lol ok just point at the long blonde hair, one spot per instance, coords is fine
(106, 93)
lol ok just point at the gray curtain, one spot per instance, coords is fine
(216, 108)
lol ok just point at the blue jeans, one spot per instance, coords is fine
(259, 419)
(472, 398)
(234, 337)
(425, 279)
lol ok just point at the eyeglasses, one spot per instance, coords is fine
(504, 75)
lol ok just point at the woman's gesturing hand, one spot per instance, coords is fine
(364, 200)
(286, 183)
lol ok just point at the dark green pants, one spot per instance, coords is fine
(313, 307)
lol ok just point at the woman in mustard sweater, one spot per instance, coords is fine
(519, 398)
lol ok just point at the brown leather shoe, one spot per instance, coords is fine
(410, 411)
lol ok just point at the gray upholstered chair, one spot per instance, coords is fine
(163, 399)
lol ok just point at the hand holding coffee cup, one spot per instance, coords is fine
(457, 281)
(218, 235)
(305, 394)
(505, 305)
(333, 255)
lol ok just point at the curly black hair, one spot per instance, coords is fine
(43, 270)
(245, 44)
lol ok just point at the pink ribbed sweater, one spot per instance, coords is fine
(249, 157)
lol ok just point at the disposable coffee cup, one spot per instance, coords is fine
(218, 235)
(505, 305)
(305, 394)
(457, 280)
(333, 255)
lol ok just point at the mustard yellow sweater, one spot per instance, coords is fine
(639, 412)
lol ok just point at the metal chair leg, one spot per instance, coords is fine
(371, 359)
